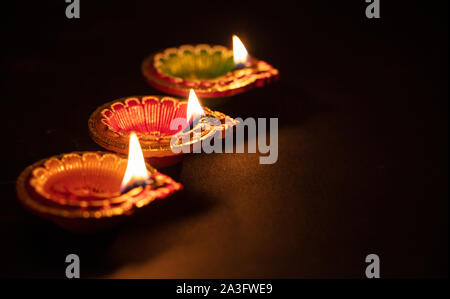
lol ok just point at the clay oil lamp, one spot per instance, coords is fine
(153, 118)
(92, 191)
(212, 71)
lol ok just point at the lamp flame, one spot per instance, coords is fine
(136, 172)
(240, 54)
(194, 109)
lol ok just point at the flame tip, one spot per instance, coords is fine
(136, 169)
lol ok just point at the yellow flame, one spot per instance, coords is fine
(193, 108)
(136, 169)
(240, 53)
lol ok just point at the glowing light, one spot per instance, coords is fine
(240, 54)
(136, 172)
(194, 109)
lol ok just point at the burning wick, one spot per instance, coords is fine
(136, 174)
(194, 111)
(240, 54)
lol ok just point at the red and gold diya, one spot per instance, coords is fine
(212, 71)
(151, 118)
(91, 191)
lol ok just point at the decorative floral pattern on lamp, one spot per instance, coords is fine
(84, 191)
(150, 117)
(212, 71)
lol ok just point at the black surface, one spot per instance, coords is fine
(363, 139)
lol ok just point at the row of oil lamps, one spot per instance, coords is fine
(91, 191)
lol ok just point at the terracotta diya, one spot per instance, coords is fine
(91, 191)
(212, 71)
(151, 118)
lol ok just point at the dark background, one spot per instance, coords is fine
(363, 139)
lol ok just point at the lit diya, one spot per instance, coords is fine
(155, 120)
(91, 191)
(212, 71)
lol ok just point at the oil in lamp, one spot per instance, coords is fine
(150, 117)
(92, 191)
(212, 71)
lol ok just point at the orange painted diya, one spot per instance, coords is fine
(80, 191)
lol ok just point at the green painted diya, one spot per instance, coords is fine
(209, 70)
